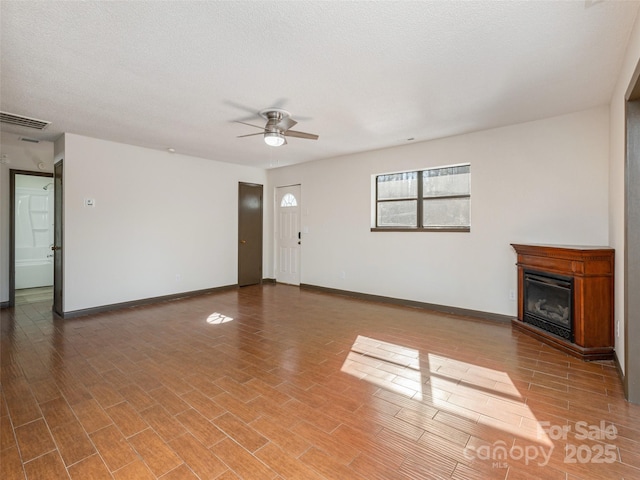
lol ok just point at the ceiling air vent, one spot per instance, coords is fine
(20, 121)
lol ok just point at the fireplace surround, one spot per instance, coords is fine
(565, 298)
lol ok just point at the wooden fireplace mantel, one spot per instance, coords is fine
(591, 269)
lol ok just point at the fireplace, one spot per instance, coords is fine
(565, 298)
(547, 303)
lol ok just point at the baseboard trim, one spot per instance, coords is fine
(269, 281)
(476, 314)
(145, 301)
(618, 367)
(6, 304)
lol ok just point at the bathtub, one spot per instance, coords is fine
(34, 267)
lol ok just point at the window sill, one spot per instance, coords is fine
(421, 229)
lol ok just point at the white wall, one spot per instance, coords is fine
(540, 182)
(19, 156)
(156, 215)
(617, 179)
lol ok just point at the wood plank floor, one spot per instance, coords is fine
(277, 382)
(34, 295)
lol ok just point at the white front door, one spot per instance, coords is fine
(288, 234)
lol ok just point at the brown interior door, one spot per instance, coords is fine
(57, 239)
(249, 234)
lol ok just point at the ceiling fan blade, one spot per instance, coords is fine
(286, 123)
(250, 135)
(240, 106)
(293, 133)
(245, 123)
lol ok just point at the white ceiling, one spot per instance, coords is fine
(361, 75)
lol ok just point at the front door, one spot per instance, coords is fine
(57, 239)
(249, 234)
(288, 234)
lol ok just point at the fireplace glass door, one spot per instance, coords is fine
(548, 302)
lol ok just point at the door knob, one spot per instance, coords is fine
(243, 241)
(54, 248)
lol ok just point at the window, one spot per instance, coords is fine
(288, 201)
(433, 199)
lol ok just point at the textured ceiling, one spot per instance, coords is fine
(361, 75)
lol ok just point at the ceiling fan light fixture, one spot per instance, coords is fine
(274, 139)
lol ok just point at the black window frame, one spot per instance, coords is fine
(419, 199)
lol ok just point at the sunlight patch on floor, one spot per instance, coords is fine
(387, 365)
(218, 318)
(484, 395)
(479, 394)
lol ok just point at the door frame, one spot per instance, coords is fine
(631, 317)
(12, 226)
(58, 235)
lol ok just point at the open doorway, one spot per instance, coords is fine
(31, 237)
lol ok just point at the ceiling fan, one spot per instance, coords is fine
(277, 128)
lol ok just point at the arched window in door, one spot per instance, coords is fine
(288, 201)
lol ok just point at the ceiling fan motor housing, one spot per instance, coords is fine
(277, 127)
